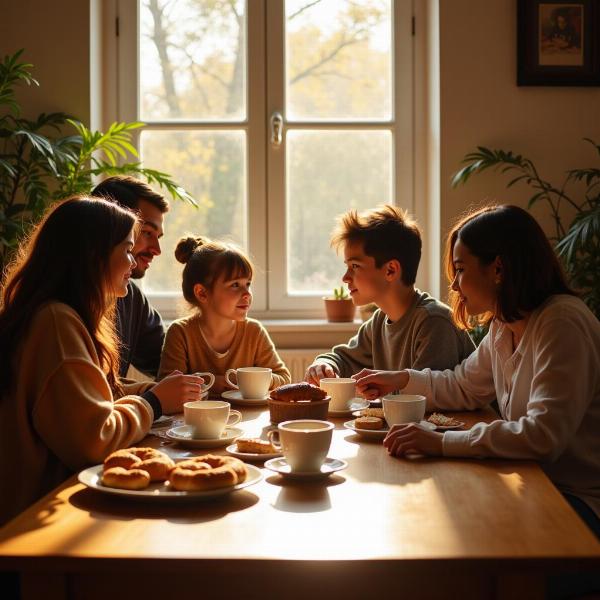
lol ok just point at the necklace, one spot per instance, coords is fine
(215, 352)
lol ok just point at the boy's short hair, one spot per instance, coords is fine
(387, 233)
(128, 191)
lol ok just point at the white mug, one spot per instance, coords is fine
(403, 408)
(253, 382)
(342, 391)
(205, 376)
(304, 443)
(208, 418)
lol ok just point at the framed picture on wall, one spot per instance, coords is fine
(558, 43)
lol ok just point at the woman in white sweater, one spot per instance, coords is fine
(540, 360)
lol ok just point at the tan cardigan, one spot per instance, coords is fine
(59, 414)
(186, 350)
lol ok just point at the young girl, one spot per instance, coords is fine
(58, 355)
(540, 360)
(218, 335)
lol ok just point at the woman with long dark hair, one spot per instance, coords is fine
(540, 360)
(62, 405)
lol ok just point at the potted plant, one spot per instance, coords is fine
(340, 308)
(39, 165)
(578, 242)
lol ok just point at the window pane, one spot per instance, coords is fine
(192, 60)
(329, 173)
(211, 165)
(338, 59)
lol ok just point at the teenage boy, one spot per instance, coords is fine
(139, 326)
(410, 329)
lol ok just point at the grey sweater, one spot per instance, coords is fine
(424, 337)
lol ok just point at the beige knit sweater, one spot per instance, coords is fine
(186, 350)
(59, 414)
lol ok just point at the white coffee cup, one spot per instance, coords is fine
(403, 408)
(208, 418)
(342, 391)
(211, 380)
(304, 443)
(253, 382)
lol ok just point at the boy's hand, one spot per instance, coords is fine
(373, 384)
(318, 371)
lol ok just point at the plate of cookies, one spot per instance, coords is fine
(444, 423)
(368, 427)
(148, 474)
(253, 449)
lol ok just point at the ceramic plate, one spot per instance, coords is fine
(357, 404)
(183, 435)
(92, 477)
(250, 455)
(235, 397)
(281, 466)
(447, 427)
(375, 434)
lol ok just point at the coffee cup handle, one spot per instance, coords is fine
(237, 416)
(205, 376)
(227, 373)
(275, 443)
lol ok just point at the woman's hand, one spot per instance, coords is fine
(373, 384)
(220, 385)
(410, 438)
(177, 388)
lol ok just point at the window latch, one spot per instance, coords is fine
(276, 128)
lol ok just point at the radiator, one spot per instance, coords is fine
(298, 360)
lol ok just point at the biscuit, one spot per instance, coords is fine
(368, 423)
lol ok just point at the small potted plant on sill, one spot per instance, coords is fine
(340, 308)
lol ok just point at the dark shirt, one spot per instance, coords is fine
(141, 333)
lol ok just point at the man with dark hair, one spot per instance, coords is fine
(139, 326)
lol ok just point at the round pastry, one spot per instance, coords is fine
(207, 472)
(292, 392)
(372, 412)
(255, 446)
(121, 458)
(157, 467)
(126, 479)
(368, 423)
(145, 453)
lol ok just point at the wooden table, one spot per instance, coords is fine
(420, 528)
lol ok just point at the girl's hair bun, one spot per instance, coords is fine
(186, 247)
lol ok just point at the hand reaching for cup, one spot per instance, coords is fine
(177, 388)
(318, 371)
(373, 384)
(411, 438)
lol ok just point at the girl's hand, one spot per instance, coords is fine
(175, 389)
(373, 384)
(410, 438)
(220, 385)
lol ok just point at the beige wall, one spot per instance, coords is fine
(56, 38)
(482, 105)
(479, 100)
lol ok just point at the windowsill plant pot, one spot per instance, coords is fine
(340, 308)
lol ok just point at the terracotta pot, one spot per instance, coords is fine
(339, 311)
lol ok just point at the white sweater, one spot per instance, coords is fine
(548, 392)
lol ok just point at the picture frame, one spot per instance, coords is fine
(558, 42)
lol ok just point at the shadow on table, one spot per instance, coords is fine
(303, 496)
(105, 507)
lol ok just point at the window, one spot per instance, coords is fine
(272, 148)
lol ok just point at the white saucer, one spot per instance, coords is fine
(92, 477)
(375, 434)
(250, 455)
(183, 435)
(281, 466)
(357, 404)
(235, 396)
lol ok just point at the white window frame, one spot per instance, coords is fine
(266, 219)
